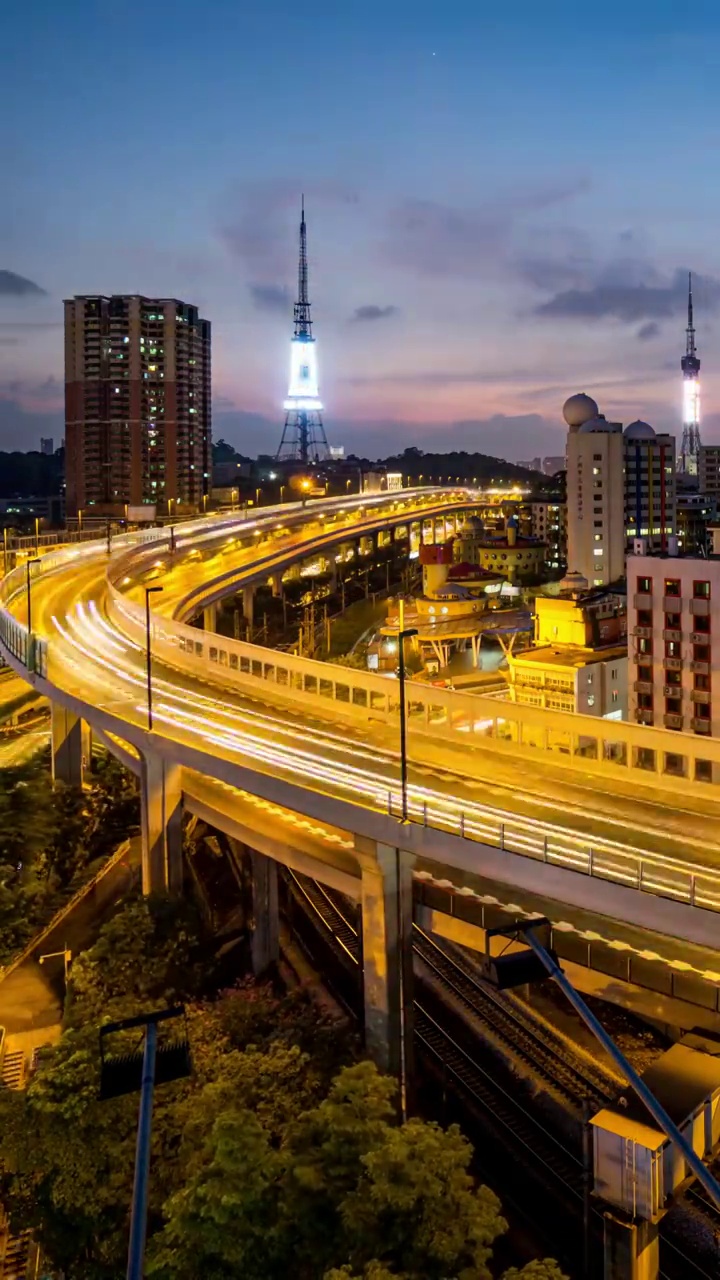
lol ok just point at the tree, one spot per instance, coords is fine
(417, 1207)
(540, 1269)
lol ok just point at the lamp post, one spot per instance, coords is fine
(67, 958)
(5, 551)
(148, 657)
(257, 497)
(35, 560)
(37, 535)
(205, 500)
(403, 635)
(282, 492)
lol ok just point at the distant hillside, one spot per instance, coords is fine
(463, 466)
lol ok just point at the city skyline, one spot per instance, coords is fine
(471, 267)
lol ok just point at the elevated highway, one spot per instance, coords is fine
(603, 816)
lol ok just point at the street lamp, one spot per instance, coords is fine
(35, 560)
(403, 635)
(66, 955)
(282, 492)
(148, 657)
(204, 498)
(37, 535)
(257, 496)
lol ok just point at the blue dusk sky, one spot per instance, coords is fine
(503, 202)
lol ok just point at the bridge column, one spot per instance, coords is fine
(387, 914)
(71, 746)
(248, 599)
(276, 585)
(210, 617)
(265, 941)
(161, 825)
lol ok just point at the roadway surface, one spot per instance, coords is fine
(476, 787)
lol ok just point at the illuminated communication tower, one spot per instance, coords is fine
(690, 364)
(303, 437)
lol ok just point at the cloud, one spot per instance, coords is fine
(14, 286)
(22, 428)
(648, 331)
(9, 342)
(436, 239)
(632, 301)
(260, 227)
(373, 312)
(14, 325)
(270, 297)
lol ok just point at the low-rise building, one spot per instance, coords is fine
(579, 660)
(674, 651)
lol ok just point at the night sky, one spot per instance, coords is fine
(503, 201)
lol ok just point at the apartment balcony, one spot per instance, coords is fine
(700, 695)
(644, 716)
(643, 633)
(672, 721)
(642, 600)
(643, 686)
(700, 608)
(700, 637)
(672, 604)
(674, 664)
(672, 634)
(702, 668)
(700, 726)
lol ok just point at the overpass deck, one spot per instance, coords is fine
(485, 802)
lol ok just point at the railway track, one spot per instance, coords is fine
(552, 1061)
(547, 1055)
(453, 1062)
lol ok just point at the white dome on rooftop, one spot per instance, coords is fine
(579, 409)
(639, 430)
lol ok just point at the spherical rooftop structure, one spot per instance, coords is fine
(579, 409)
(574, 582)
(472, 525)
(598, 423)
(639, 431)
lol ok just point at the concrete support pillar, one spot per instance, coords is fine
(71, 747)
(161, 825)
(210, 617)
(631, 1248)
(265, 942)
(248, 599)
(387, 913)
(276, 585)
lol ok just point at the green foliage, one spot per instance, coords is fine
(269, 1194)
(541, 1269)
(50, 837)
(279, 1156)
(147, 955)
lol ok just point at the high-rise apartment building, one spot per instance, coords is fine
(709, 471)
(47, 445)
(137, 404)
(674, 646)
(620, 486)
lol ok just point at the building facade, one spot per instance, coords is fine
(620, 486)
(548, 524)
(579, 659)
(137, 404)
(673, 645)
(709, 471)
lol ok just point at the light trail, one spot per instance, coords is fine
(336, 767)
